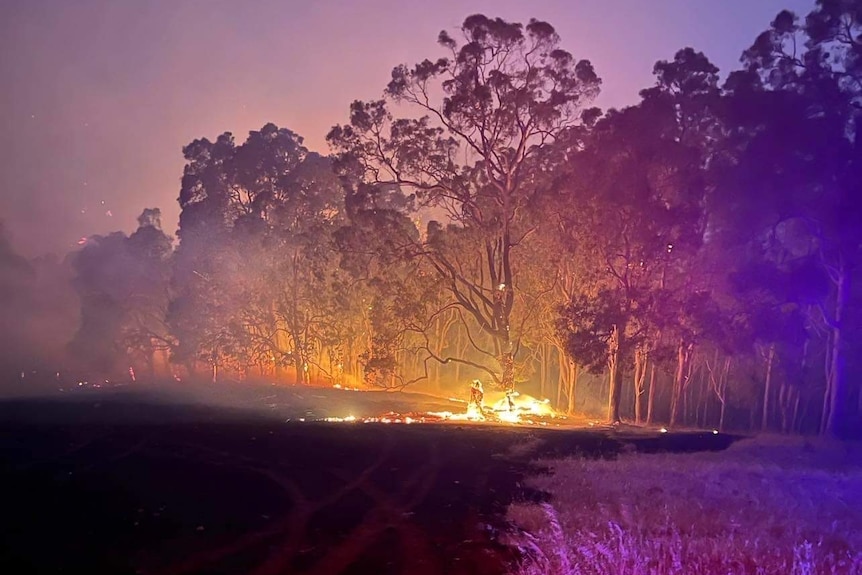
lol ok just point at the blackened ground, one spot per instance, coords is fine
(124, 486)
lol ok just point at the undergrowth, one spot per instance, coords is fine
(765, 506)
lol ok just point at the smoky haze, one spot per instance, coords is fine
(282, 211)
(38, 316)
(99, 97)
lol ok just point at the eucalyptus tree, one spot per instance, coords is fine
(478, 121)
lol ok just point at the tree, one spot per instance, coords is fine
(487, 113)
(399, 293)
(633, 218)
(256, 258)
(799, 107)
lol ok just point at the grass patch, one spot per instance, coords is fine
(763, 506)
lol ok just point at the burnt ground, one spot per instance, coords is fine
(119, 485)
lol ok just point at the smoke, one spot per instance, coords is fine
(38, 314)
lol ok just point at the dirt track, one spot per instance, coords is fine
(197, 491)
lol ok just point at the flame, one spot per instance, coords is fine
(509, 416)
(348, 419)
(515, 409)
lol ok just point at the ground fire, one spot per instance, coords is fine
(495, 407)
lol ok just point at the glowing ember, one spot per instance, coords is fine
(348, 419)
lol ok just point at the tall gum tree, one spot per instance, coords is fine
(481, 119)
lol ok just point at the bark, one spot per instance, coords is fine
(725, 375)
(787, 396)
(838, 395)
(651, 395)
(561, 381)
(700, 408)
(615, 376)
(508, 362)
(683, 354)
(641, 364)
(573, 380)
(298, 366)
(543, 368)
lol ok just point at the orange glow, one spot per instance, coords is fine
(525, 410)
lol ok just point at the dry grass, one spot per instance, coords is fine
(771, 505)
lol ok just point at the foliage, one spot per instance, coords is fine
(487, 113)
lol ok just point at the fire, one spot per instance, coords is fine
(517, 408)
(509, 416)
(496, 407)
(348, 419)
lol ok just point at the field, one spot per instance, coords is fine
(770, 505)
(256, 480)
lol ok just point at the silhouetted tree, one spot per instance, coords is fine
(797, 115)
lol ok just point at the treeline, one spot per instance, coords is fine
(687, 260)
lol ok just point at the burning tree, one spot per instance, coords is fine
(483, 119)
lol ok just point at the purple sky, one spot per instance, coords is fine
(99, 96)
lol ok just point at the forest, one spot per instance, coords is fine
(689, 260)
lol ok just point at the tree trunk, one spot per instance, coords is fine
(543, 368)
(770, 359)
(641, 362)
(700, 409)
(561, 378)
(724, 381)
(297, 365)
(838, 395)
(507, 360)
(651, 396)
(573, 380)
(683, 354)
(615, 376)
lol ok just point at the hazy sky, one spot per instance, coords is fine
(99, 96)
